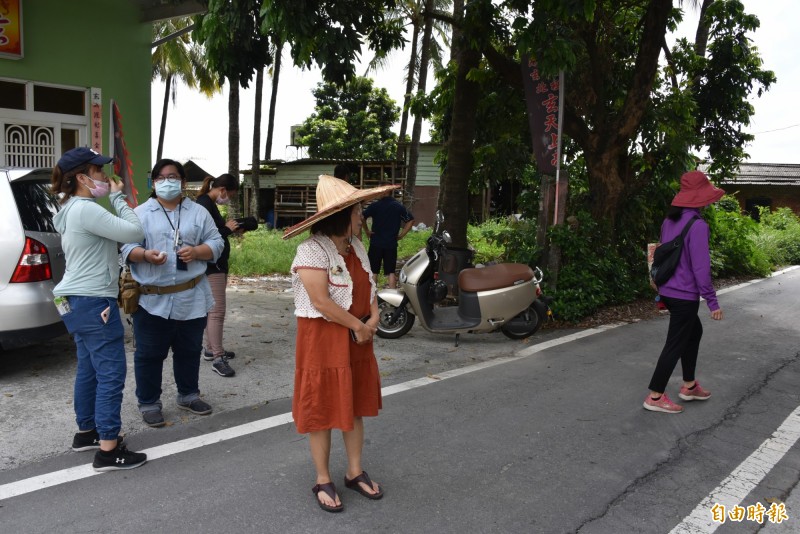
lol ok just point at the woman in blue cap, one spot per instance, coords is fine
(86, 298)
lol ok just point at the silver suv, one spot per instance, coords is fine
(31, 258)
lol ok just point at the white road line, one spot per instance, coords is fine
(55, 478)
(63, 476)
(743, 479)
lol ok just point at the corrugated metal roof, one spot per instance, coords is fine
(766, 174)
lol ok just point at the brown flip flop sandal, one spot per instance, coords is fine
(330, 490)
(355, 486)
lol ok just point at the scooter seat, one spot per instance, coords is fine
(494, 277)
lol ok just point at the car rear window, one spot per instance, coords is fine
(36, 204)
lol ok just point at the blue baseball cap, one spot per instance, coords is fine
(81, 156)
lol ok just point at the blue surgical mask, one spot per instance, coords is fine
(168, 190)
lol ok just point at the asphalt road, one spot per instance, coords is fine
(492, 436)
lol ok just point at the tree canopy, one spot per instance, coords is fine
(351, 122)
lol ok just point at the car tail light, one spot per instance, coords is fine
(34, 263)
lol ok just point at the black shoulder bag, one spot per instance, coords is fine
(667, 255)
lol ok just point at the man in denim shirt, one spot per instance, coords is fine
(170, 264)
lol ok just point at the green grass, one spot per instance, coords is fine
(262, 252)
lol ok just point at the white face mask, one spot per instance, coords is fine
(223, 201)
(168, 190)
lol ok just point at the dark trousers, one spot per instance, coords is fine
(683, 342)
(154, 337)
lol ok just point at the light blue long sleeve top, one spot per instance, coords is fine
(89, 237)
(196, 228)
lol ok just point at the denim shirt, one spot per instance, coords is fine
(692, 278)
(196, 228)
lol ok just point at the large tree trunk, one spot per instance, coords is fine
(167, 88)
(412, 68)
(608, 175)
(256, 161)
(454, 192)
(276, 76)
(416, 132)
(233, 135)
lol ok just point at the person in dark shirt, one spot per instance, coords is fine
(388, 216)
(218, 191)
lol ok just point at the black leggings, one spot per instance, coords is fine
(683, 342)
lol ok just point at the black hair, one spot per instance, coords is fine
(341, 171)
(336, 224)
(228, 181)
(66, 182)
(160, 164)
(674, 212)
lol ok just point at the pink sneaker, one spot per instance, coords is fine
(697, 393)
(663, 404)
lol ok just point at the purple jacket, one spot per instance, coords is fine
(692, 277)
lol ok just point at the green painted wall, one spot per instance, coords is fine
(93, 43)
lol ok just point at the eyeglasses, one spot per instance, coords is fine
(171, 178)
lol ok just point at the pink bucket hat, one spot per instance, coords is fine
(696, 191)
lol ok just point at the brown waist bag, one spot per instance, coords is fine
(128, 298)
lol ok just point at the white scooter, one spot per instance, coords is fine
(505, 296)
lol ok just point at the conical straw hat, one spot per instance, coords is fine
(334, 195)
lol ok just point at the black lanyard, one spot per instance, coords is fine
(176, 230)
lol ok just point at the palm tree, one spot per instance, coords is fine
(179, 58)
(416, 14)
(416, 132)
(275, 52)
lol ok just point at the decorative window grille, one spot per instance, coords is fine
(26, 145)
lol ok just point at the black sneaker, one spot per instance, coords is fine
(119, 458)
(153, 419)
(209, 356)
(197, 406)
(87, 441)
(222, 368)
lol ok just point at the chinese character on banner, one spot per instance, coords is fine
(542, 98)
(97, 120)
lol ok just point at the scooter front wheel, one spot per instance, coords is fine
(523, 325)
(394, 322)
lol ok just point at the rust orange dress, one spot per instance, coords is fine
(335, 379)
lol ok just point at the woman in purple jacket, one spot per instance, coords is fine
(681, 293)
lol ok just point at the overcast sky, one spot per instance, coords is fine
(197, 127)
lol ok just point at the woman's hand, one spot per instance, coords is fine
(115, 184)
(187, 254)
(365, 333)
(156, 257)
(717, 314)
(233, 225)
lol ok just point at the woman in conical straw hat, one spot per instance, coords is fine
(336, 375)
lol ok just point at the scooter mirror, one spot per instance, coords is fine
(446, 237)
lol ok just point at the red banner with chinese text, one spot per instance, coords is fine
(123, 167)
(542, 98)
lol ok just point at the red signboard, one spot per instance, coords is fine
(11, 29)
(542, 97)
